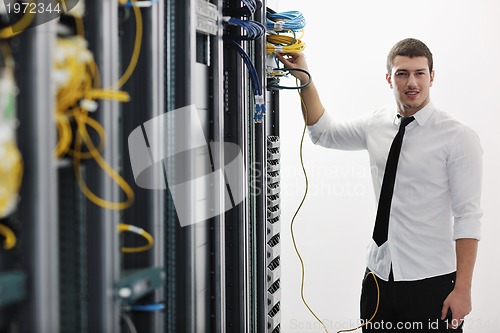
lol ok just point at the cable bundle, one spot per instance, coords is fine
(260, 106)
(281, 38)
(290, 20)
(249, 8)
(282, 28)
(273, 83)
(77, 81)
(254, 30)
(284, 44)
(11, 174)
(11, 162)
(251, 5)
(78, 89)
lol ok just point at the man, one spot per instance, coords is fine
(425, 263)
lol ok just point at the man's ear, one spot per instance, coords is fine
(431, 78)
(388, 79)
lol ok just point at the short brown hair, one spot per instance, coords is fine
(409, 47)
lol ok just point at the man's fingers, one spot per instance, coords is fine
(455, 323)
(289, 57)
(453, 318)
(444, 311)
(286, 61)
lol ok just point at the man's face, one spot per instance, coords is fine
(410, 79)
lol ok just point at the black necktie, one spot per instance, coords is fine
(384, 204)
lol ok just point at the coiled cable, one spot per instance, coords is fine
(122, 227)
(284, 44)
(290, 20)
(254, 30)
(10, 237)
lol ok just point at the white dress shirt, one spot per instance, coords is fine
(437, 192)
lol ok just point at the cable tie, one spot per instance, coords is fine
(260, 108)
(259, 99)
(275, 72)
(137, 230)
(278, 25)
(89, 105)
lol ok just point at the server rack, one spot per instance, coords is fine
(195, 254)
(146, 89)
(37, 210)
(218, 275)
(237, 265)
(252, 238)
(12, 279)
(103, 247)
(189, 286)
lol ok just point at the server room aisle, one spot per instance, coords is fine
(140, 165)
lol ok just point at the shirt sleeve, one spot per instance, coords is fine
(344, 135)
(465, 166)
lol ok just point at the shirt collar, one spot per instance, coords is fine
(424, 114)
(421, 116)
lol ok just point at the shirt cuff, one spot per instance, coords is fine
(321, 126)
(467, 229)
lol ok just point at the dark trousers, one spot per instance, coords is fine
(406, 306)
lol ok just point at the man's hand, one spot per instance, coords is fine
(295, 60)
(459, 300)
(311, 104)
(460, 304)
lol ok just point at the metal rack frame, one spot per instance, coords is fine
(37, 210)
(103, 249)
(146, 89)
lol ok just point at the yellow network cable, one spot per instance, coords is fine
(11, 174)
(80, 30)
(77, 64)
(136, 50)
(139, 231)
(70, 106)
(63, 3)
(64, 134)
(97, 127)
(78, 88)
(376, 307)
(302, 265)
(10, 237)
(284, 44)
(19, 26)
(81, 117)
(69, 93)
(11, 161)
(75, 98)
